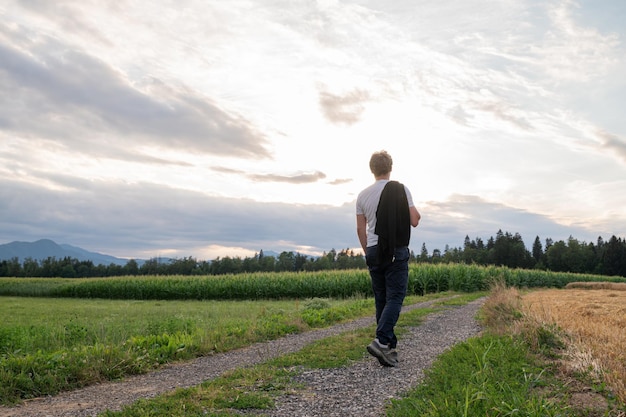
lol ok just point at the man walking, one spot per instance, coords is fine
(384, 216)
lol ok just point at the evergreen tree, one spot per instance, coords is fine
(537, 250)
(556, 257)
(424, 253)
(614, 260)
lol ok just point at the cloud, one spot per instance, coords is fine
(70, 19)
(613, 143)
(501, 111)
(448, 222)
(135, 220)
(345, 109)
(547, 43)
(70, 97)
(459, 115)
(340, 181)
(126, 219)
(293, 179)
(300, 178)
(575, 52)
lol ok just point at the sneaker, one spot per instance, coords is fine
(393, 354)
(385, 355)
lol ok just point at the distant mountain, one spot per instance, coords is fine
(46, 248)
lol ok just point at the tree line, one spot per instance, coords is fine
(506, 249)
(68, 267)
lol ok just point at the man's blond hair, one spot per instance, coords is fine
(380, 163)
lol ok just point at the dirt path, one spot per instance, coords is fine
(358, 390)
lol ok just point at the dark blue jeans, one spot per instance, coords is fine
(389, 282)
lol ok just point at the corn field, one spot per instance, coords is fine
(423, 279)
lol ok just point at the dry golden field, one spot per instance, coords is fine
(594, 316)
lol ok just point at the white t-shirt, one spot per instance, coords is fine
(367, 204)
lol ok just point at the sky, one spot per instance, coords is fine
(209, 128)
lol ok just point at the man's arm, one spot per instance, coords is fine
(361, 230)
(415, 216)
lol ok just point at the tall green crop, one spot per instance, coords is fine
(423, 279)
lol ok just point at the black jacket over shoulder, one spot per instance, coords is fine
(393, 221)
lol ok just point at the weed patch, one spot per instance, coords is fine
(489, 375)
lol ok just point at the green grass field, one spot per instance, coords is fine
(52, 344)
